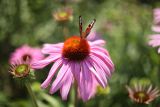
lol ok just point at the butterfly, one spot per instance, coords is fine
(88, 29)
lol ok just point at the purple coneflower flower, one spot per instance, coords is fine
(156, 20)
(76, 59)
(26, 53)
(143, 93)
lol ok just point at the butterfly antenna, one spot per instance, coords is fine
(80, 26)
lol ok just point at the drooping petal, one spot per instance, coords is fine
(104, 58)
(103, 55)
(94, 87)
(42, 63)
(58, 81)
(66, 84)
(99, 42)
(53, 70)
(154, 43)
(97, 48)
(58, 45)
(154, 36)
(99, 79)
(101, 65)
(76, 69)
(99, 70)
(52, 48)
(155, 40)
(85, 83)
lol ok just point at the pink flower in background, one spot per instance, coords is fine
(156, 20)
(76, 60)
(63, 14)
(142, 93)
(26, 52)
(155, 41)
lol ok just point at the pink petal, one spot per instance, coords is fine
(155, 36)
(58, 81)
(48, 46)
(42, 63)
(85, 83)
(154, 43)
(66, 84)
(52, 48)
(53, 70)
(76, 71)
(99, 70)
(156, 28)
(101, 64)
(100, 81)
(94, 87)
(157, 19)
(156, 10)
(104, 58)
(99, 42)
(97, 48)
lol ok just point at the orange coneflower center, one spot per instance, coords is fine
(141, 96)
(76, 48)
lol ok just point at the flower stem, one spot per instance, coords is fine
(75, 96)
(65, 32)
(33, 98)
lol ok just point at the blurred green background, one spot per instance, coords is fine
(124, 24)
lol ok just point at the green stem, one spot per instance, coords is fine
(33, 98)
(75, 96)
